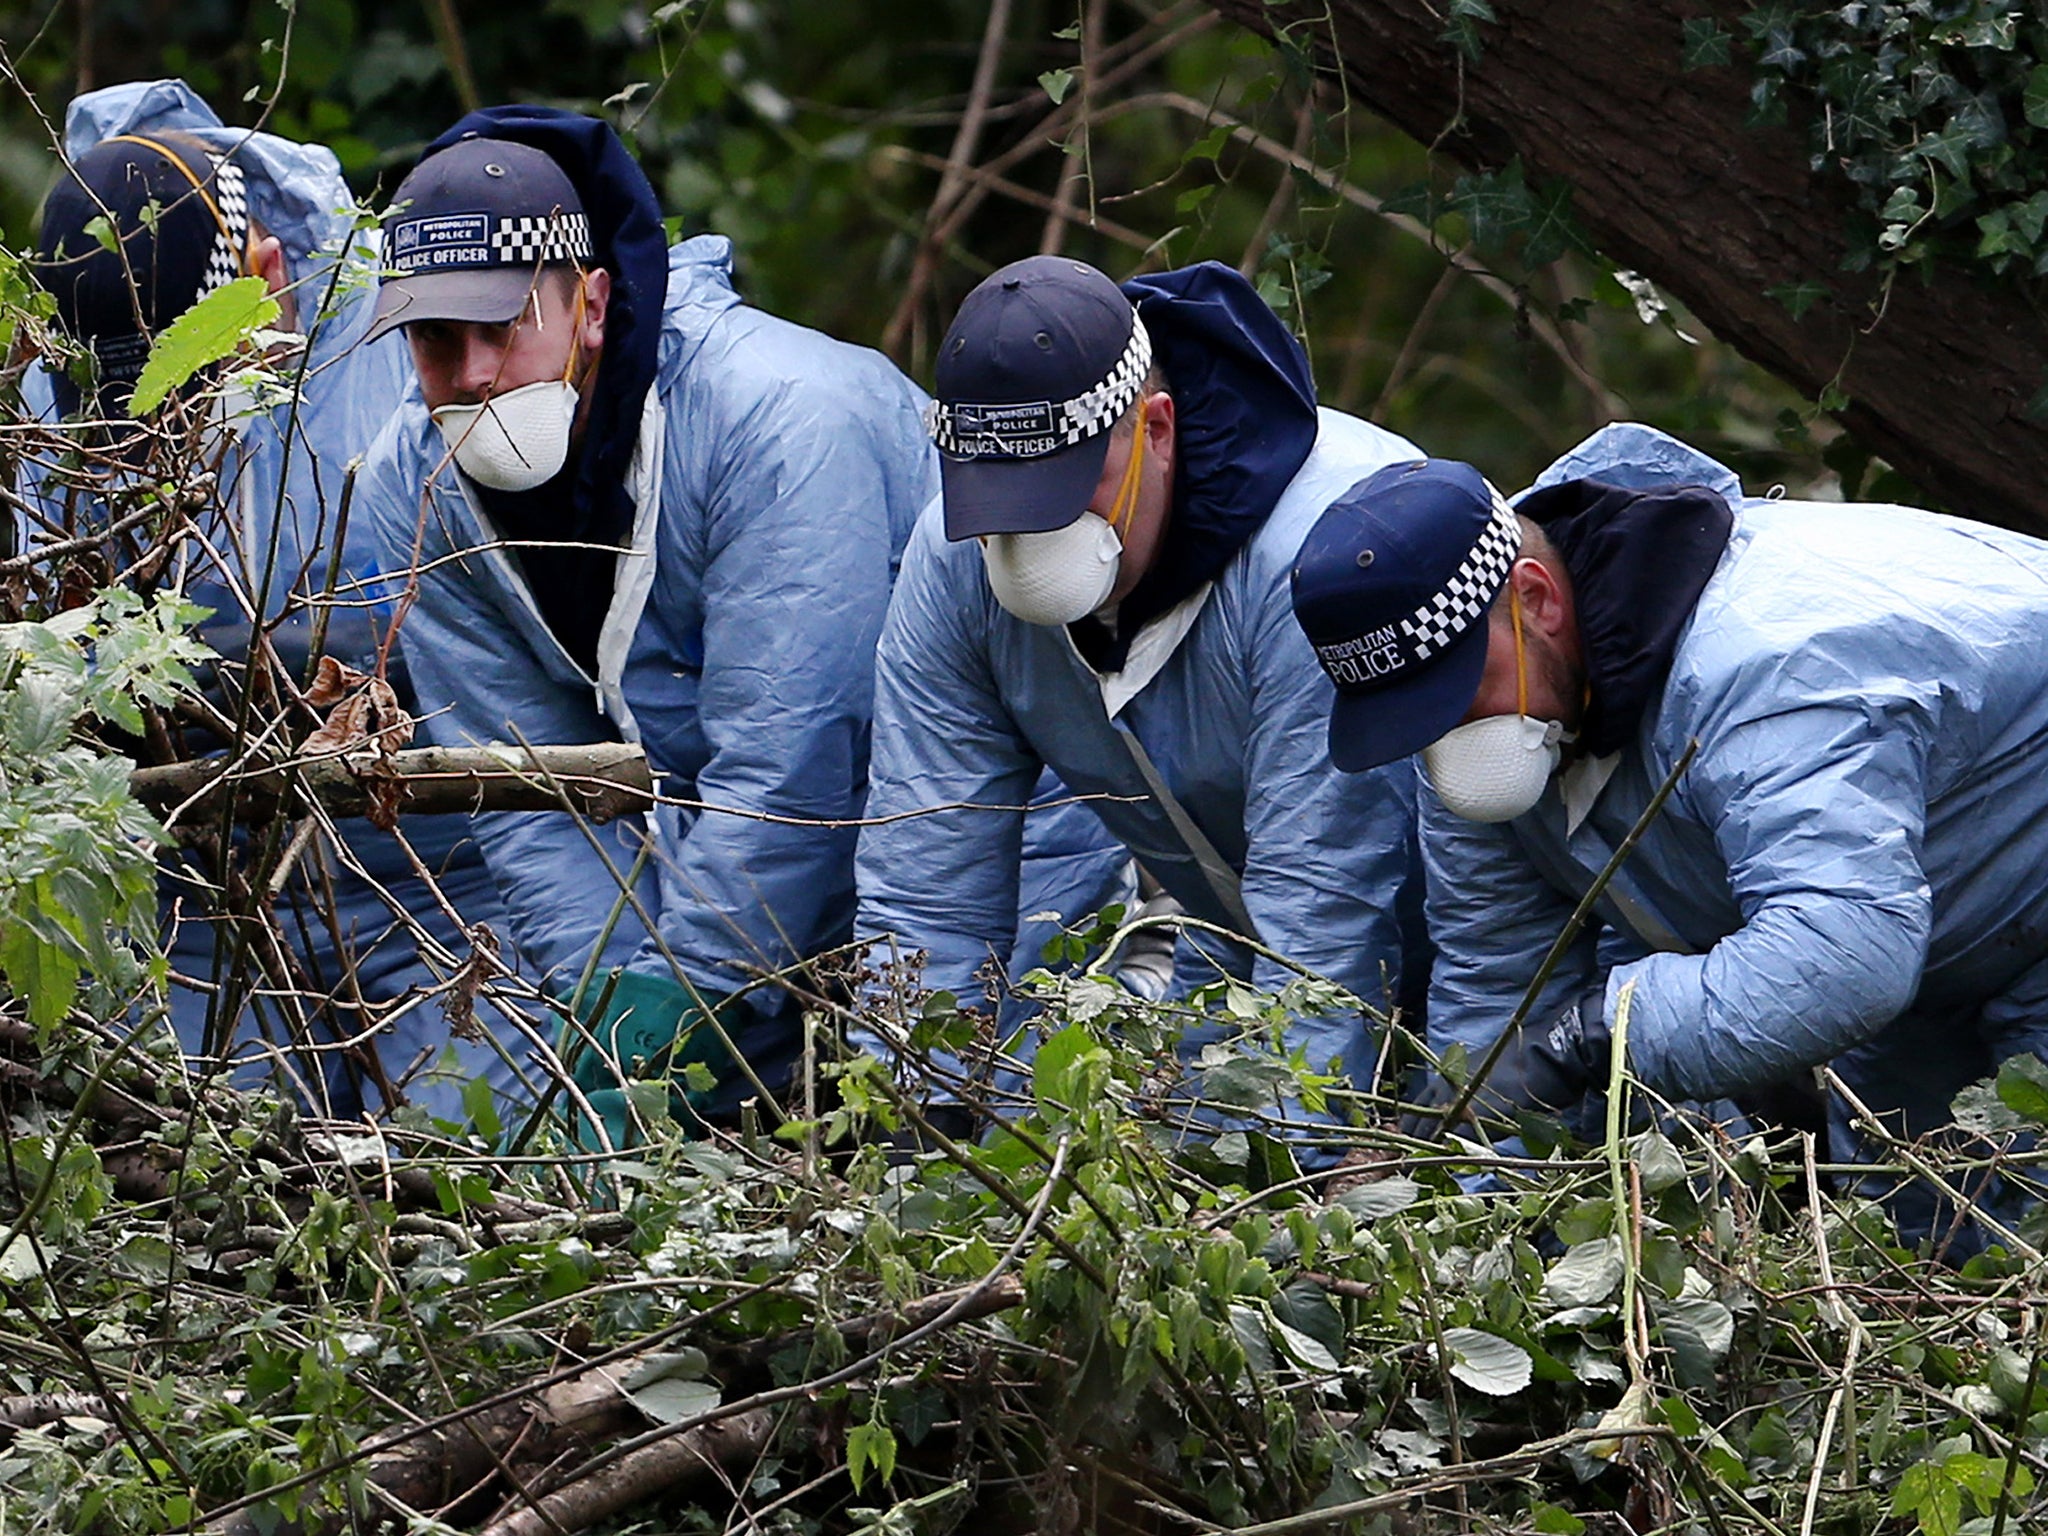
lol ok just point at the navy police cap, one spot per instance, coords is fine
(472, 226)
(1392, 587)
(1044, 357)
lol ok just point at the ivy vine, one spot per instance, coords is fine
(1934, 111)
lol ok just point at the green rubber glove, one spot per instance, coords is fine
(655, 1029)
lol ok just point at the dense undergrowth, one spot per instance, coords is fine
(221, 1315)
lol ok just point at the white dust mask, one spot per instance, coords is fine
(513, 441)
(1494, 769)
(1054, 577)
(1066, 573)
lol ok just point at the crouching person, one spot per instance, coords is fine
(636, 508)
(1852, 871)
(334, 984)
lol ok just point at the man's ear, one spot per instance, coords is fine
(1159, 426)
(1546, 598)
(597, 295)
(266, 260)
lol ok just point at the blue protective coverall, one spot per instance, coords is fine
(774, 475)
(1854, 869)
(281, 496)
(971, 701)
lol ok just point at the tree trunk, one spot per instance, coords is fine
(1668, 181)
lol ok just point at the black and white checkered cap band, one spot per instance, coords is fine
(1376, 656)
(231, 238)
(1031, 429)
(468, 242)
(526, 242)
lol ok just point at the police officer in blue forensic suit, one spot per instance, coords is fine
(1103, 588)
(639, 508)
(196, 204)
(1853, 871)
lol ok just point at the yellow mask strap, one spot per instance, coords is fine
(198, 186)
(1521, 672)
(1125, 507)
(575, 333)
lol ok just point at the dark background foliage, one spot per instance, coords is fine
(818, 138)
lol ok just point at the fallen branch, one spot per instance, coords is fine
(428, 1466)
(601, 781)
(34, 1409)
(666, 1465)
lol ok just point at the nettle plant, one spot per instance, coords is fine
(77, 852)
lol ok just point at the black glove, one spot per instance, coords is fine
(1551, 1066)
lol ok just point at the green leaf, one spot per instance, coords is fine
(1056, 1072)
(481, 1105)
(1588, 1273)
(1950, 149)
(1057, 82)
(870, 1445)
(1304, 1350)
(1705, 46)
(1461, 26)
(103, 232)
(2023, 1088)
(1555, 1519)
(1656, 1161)
(1382, 1197)
(2035, 101)
(1798, 297)
(207, 332)
(1678, 1413)
(1551, 229)
(38, 971)
(1699, 1331)
(672, 1399)
(1488, 1363)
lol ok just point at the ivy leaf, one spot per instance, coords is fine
(1496, 205)
(1057, 82)
(870, 1445)
(1706, 46)
(1798, 297)
(1950, 149)
(2034, 102)
(207, 332)
(1461, 27)
(1551, 230)
(1488, 1363)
